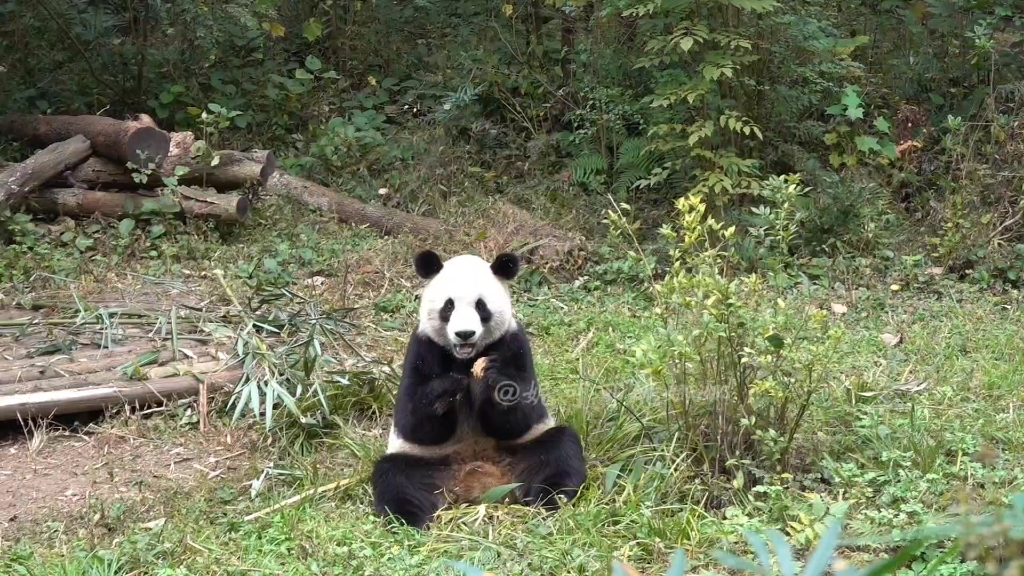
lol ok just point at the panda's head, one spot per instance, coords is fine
(465, 305)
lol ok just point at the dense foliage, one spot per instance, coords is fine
(644, 100)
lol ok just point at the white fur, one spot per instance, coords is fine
(467, 433)
(465, 279)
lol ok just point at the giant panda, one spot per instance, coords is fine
(468, 414)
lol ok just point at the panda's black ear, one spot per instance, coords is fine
(505, 266)
(427, 264)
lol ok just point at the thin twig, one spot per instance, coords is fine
(315, 491)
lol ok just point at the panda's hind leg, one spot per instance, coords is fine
(549, 465)
(409, 487)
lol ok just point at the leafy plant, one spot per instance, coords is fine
(282, 352)
(738, 365)
(632, 163)
(853, 139)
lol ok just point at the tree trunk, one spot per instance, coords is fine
(55, 402)
(194, 203)
(568, 60)
(137, 141)
(17, 180)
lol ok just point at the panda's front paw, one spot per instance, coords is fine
(443, 393)
(479, 367)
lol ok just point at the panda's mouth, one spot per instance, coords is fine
(465, 350)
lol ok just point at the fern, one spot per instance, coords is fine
(634, 163)
(587, 170)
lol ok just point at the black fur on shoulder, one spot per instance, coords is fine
(428, 264)
(505, 266)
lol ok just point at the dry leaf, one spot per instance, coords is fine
(936, 271)
(987, 454)
(912, 386)
(838, 308)
(891, 340)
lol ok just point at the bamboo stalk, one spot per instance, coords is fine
(42, 370)
(315, 491)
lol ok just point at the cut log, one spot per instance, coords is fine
(234, 171)
(19, 179)
(137, 141)
(52, 403)
(223, 169)
(193, 203)
(351, 211)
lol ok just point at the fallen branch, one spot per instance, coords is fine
(193, 203)
(298, 497)
(510, 228)
(351, 211)
(137, 141)
(52, 403)
(17, 180)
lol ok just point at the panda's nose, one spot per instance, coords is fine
(465, 334)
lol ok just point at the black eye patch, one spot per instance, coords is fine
(484, 312)
(446, 311)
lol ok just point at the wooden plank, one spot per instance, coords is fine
(146, 392)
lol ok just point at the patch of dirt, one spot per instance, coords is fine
(54, 476)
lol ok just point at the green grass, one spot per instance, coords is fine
(891, 437)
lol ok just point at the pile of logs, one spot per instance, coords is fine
(72, 383)
(83, 169)
(96, 165)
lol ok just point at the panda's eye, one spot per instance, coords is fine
(484, 312)
(446, 310)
